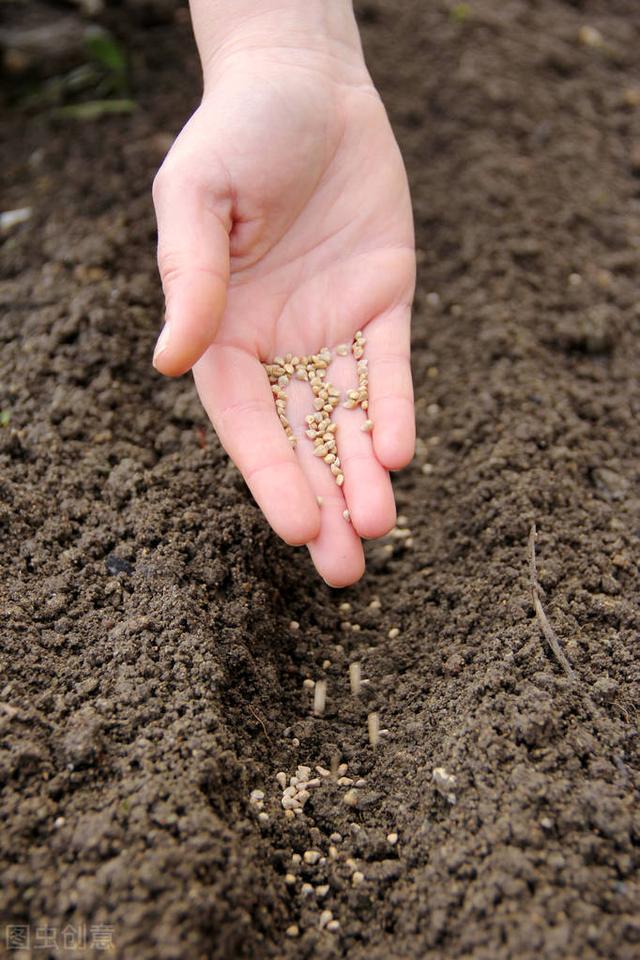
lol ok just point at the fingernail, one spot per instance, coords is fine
(163, 343)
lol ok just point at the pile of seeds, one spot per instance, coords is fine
(313, 369)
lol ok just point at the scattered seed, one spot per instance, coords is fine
(346, 514)
(345, 781)
(289, 879)
(306, 889)
(444, 783)
(263, 817)
(373, 727)
(256, 796)
(356, 878)
(392, 838)
(325, 918)
(342, 769)
(294, 625)
(393, 633)
(322, 890)
(293, 931)
(336, 838)
(326, 664)
(281, 777)
(351, 798)
(312, 856)
(355, 677)
(308, 684)
(320, 697)
(367, 426)
(333, 926)
(320, 501)
(375, 604)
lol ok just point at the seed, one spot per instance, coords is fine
(294, 625)
(393, 633)
(312, 856)
(296, 859)
(263, 817)
(322, 890)
(365, 405)
(320, 500)
(319, 697)
(256, 795)
(346, 515)
(373, 727)
(355, 677)
(333, 925)
(335, 469)
(351, 798)
(342, 350)
(375, 604)
(330, 458)
(367, 426)
(289, 803)
(356, 878)
(320, 450)
(345, 782)
(340, 479)
(281, 777)
(325, 917)
(392, 838)
(308, 684)
(350, 404)
(342, 769)
(289, 879)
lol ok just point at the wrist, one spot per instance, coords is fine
(292, 32)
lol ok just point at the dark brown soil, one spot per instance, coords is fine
(150, 680)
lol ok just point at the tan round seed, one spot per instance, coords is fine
(367, 426)
(319, 697)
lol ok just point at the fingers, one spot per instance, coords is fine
(236, 394)
(390, 388)
(367, 487)
(193, 259)
(336, 551)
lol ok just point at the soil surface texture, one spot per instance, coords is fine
(150, 679)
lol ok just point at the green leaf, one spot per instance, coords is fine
(106, 51)
(94, 109)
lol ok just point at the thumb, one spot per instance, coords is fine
(194, 220)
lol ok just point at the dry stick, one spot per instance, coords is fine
(545, 626)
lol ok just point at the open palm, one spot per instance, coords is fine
(285, 226)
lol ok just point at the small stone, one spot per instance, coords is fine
(351, 798)
(357, 878)
(312, 856)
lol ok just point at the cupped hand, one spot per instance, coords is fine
(285, 226)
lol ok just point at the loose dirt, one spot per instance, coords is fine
(150, 678)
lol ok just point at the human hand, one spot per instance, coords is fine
(284, 226)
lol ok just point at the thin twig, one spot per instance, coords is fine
(545, 626)
(260, 721)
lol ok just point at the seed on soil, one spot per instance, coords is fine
(342, 769)
(325, 918)
(375, 604)
(326, 664)
(333, 926)
(306, 889)
(263, 817)
(319, 697)
(336, 838)
(308, 684)
(373, 728)
(351, 798)
(444, 783)
(393, 633)
(289, 879)
(256, 796)
(312, 856)
(322, 890)
(357, 878)
(355, 677)
(294, 625)
(392, 838)
(323, 771)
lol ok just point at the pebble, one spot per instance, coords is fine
(357, 877)
(325, 917)
(336, 838)
(281, 777)
(256, 796)
(312, 856)
(322, 890)
(351, 798)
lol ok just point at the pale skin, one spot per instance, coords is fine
(285, 225)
